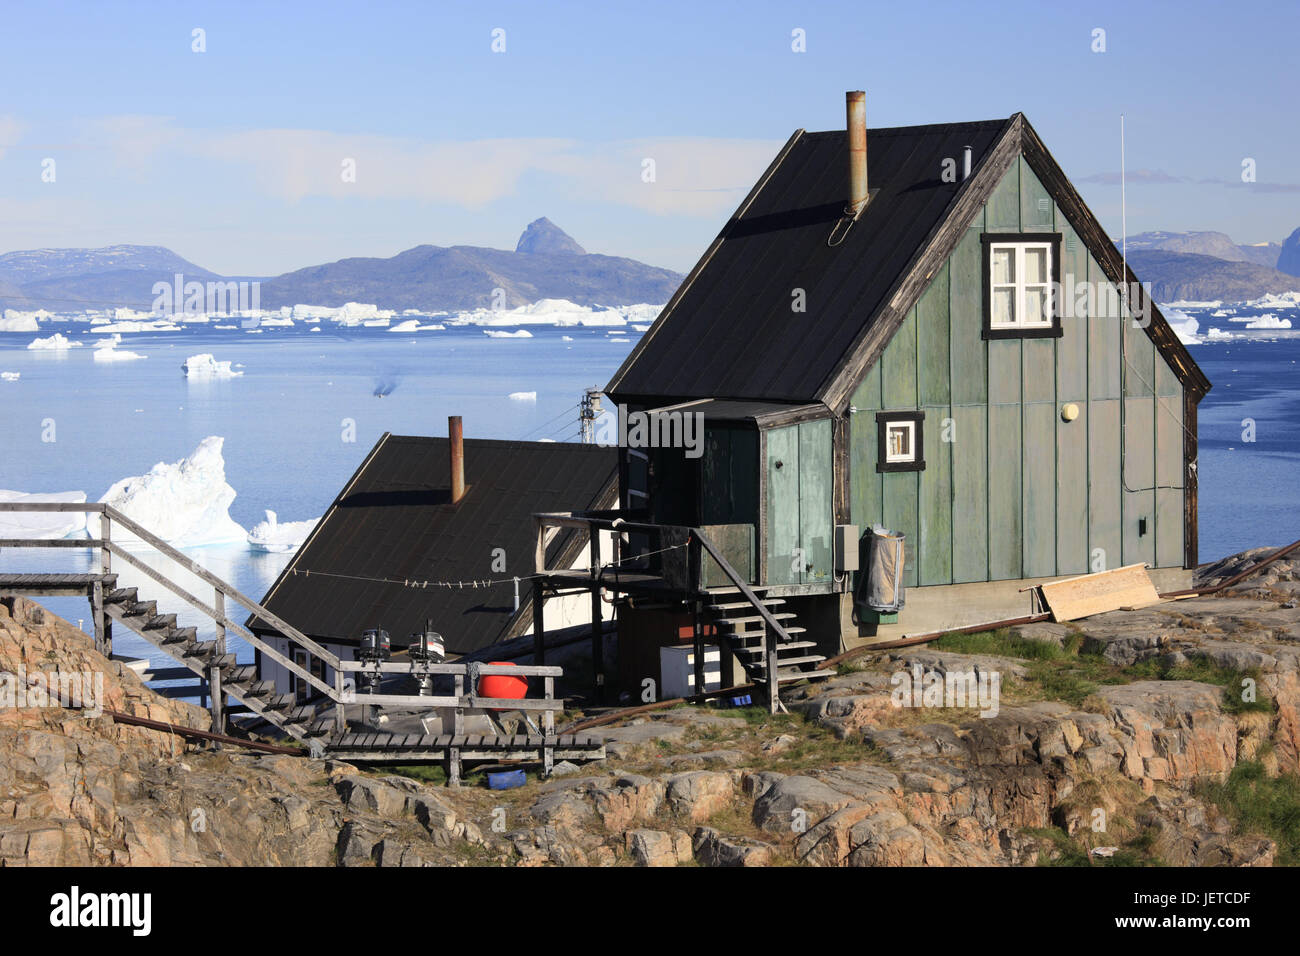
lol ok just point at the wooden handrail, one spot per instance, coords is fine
(108, 546)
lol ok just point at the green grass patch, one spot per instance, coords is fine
(1259, 804)
(1064, 850)
(1207, 672)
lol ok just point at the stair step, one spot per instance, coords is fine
(757, 635)
(280, 702)
(786, 646)
(145, 609)
(789, 677)
(304, 715)
(261, 688)
(779, 615)
(238, 673)
(181, 635)
(761, 663)
(121, 596)
(743, 605)
(757, 589)
(160, 622)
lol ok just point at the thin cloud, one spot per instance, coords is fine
(1153, 177)
(666, 176)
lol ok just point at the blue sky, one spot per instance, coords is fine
(233, 157)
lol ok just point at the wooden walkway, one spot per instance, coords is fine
(53, 585)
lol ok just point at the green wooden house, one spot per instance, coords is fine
(923, 328)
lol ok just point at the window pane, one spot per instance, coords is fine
(1035, 264)
(1004, 309)
(1036, 312)
(900, 441)
(1004, 265)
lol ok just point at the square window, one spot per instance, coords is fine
(900, 442)
(1021, 270)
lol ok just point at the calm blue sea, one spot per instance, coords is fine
(299, 420)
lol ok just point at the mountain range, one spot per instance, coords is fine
(1205, 266)
(545, 264)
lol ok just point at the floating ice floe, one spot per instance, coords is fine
(15, 321)
(498, 334)
(133, 325)
(1284, 300)
(204, 365)
(1268, 321)
(107, 351)
(1218, 335)
(522, 396)
(186, 503)
(272, 535)
(45, 525)
(10, 376)
(58, 342)
(413, 325)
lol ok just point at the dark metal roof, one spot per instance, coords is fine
(394, 522)
(730, 332)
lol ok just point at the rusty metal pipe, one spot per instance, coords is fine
(855, 106)
(456, 436)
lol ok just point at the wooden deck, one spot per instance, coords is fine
(399, 748)
(54, 585)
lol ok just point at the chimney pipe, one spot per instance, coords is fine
(456, 437)
(855, 106)
(965, 163)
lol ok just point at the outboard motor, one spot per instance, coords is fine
(425, 648)
(376, 648)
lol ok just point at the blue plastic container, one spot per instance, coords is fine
(506, 779)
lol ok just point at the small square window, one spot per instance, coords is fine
(900, 444)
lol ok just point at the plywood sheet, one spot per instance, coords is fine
(1127, 587)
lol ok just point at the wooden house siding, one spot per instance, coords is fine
(1009, 489)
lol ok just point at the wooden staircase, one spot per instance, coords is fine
(745, 629)
(239, 681)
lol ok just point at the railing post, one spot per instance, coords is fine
(214, 665)
(773, 678)
(457, 733)
(103, 624)
(696, 608)
(597, 630)
(548, 730)
(340, 716)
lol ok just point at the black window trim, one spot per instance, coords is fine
(901, 415)
(1053, 331)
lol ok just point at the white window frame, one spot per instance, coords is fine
(910, 425)
(1020, 286)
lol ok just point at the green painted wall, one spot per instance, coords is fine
(1011, 490)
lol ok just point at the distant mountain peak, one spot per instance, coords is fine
(543, 237)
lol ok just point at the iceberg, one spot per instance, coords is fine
(413, 325)
(204, 365)
(14, 321)
(1267, 322)
(132, 325)
(58, 342)
(498, 334)
(10, 376)
(522, 396)
(186, 503)
(1184, 326)
(111, 353)
(46, 525)
(272, 535)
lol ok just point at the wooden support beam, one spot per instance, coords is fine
(539, 627)
(697, 610)
(773, 678)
